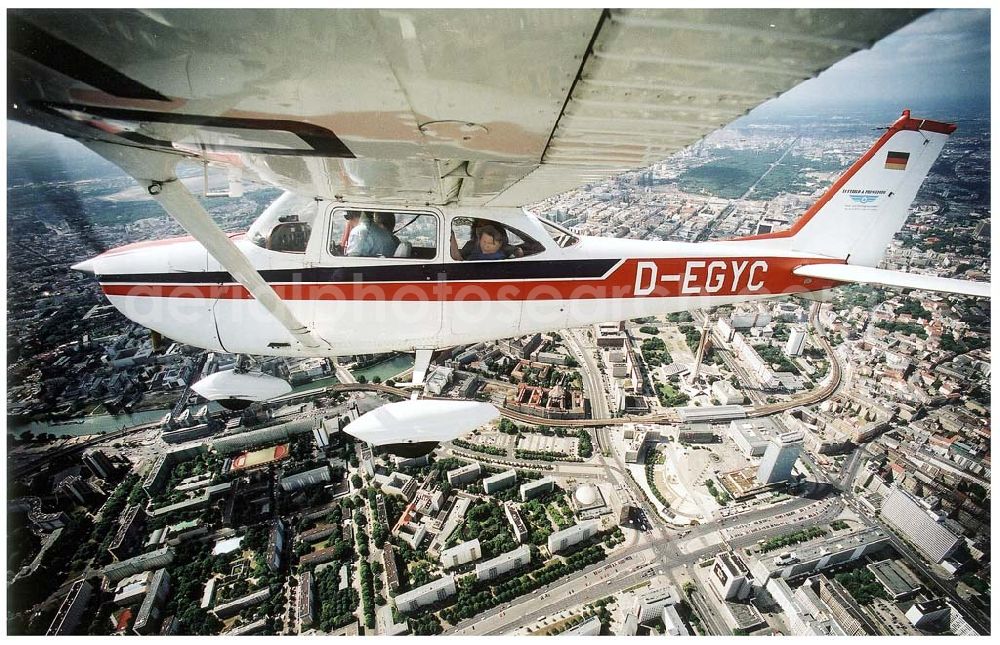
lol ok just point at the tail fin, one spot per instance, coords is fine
(856, 219)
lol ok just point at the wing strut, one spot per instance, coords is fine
(155, 171)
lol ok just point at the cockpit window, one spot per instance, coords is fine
(285, 226)
(484, 239)
(561, 236)
(390, 234)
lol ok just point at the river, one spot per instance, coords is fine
(91, 425)
(386, 369)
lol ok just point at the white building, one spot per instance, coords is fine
(234, 607)
(465, 474)
(726, 394)
(816, 555)
(635, 446)
(729, 575)
(132, 588)
(305, 601)
(321, 435)
(796, 341)
(673, 624)
(305, 479)
(748, 319)
(399, 484)
(516, 522)
(750, 436)
(650, 604)
(439, 379)
(410, 462)
(561, 540)
(429, 594)
(460, 554)
(500, 481)
(412, 533)
(925, 614)
(754, 363)
(780, 458)
(153, 560)
(532, 489)
(804, 613)
(930, 532)
(725, 329)
(504, 563)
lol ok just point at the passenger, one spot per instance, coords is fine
(387, 222)
(352, 217)
(372, 237)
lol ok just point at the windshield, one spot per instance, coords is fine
(286, 224)
(561, 236)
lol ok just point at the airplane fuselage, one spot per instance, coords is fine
(379, 304)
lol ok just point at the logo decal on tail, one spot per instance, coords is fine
(863, 199)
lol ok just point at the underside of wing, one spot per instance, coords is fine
(476, 107)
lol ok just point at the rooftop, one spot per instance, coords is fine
(895, 577)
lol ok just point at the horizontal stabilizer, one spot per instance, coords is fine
(870, 275)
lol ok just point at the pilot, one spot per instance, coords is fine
(490, 244)
(372, 236)
(473, 246)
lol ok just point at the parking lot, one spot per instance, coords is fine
(493, 440)
(544, 443)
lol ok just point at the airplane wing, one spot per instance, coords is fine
(470, 107)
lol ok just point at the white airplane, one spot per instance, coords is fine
(408, 142)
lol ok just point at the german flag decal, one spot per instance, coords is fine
(897, 160)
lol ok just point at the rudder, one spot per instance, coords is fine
(856, 219)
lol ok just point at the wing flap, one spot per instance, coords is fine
(870, 275)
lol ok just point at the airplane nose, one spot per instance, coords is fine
(87, 266)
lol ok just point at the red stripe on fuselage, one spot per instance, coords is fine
(635, 278)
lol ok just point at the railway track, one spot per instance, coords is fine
(817, 395)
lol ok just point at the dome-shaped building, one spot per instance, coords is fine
(585, 495)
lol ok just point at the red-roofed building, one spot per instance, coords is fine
(122, 620)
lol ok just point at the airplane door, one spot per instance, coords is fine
(375, 298)
(477, 305)
(480, 302)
